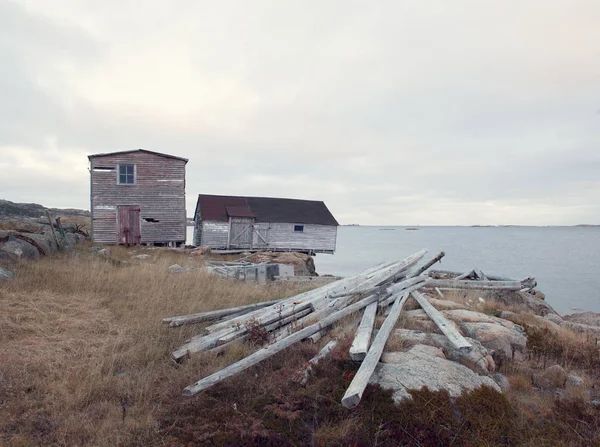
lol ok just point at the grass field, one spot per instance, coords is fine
(85, 360)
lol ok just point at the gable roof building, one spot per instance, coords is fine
(138, 197)
(264, 223)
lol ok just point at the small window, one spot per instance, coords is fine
(298, 228)
(126, 176)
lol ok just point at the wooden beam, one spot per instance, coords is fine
(464, 275)
(407, 285)
(273, 349)
(215, 314)
(363, 375)
(485, 285)
(360, 345)
(457, 340)
(324, 352)
(454, 274)
(480, 274)
(438, 258)
(52, 230)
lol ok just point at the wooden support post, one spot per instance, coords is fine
(52, 230)
(360, 345)
(457, 340)
(361, 379)
(438, 258)
(273, 349)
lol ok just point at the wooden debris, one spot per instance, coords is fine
(457, 340)
(363, 375)
(274, 348)
(360, 345)
(215, 314)
(438, 258)
(485, 285)
(324, 352)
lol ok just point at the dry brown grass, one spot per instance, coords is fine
(85, 359)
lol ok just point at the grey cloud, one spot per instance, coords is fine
(394, 112)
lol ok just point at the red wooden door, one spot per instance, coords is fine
(129, 225)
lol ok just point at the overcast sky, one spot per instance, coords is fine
(401, 112)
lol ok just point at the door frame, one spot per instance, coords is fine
(129, 238)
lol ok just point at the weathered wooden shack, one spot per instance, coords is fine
(138, 197)
(264, 223)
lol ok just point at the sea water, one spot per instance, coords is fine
(564, 260)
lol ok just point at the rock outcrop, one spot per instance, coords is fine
(551, 378)
(422, 366)
(479, 359)
(588, 318)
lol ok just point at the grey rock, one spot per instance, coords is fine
(175, 268)
(6, 274)
(105, 252)
(502, 382)
(479, 359)
(554, 318)
(581, 328)
(418, 368)
(21, 249)
(575, 380)
(588, 318)
(552, 377)
(504, 341)
(426, 350)
(143, 256)
(445, 304)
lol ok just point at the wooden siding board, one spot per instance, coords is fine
(281, 236)
(159, 191)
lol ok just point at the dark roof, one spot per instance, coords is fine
(137, 150)
(239, 211)
(265, 209)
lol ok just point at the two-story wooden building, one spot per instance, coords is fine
(138, 197)
(264, 223)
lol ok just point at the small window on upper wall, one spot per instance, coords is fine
(126, 175)
(298, 228)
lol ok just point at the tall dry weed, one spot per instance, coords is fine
(84, 358)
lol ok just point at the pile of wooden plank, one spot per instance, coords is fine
(308, 315)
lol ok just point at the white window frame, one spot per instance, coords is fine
(134, 174)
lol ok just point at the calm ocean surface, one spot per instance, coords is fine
(564, 260)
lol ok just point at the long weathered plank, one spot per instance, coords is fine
(269, 327)
(455, 274)
(324, 352)
(215, 314)
(428, 264)
(407, 285)
(457, 340)
(273, 349)
(360, 345)
(237, 326)
(484, 285)
(337, 287)
(361, 379)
